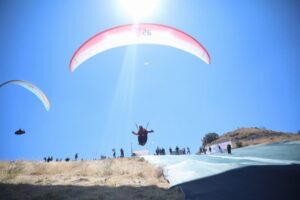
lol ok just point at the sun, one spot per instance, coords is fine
(139, 9)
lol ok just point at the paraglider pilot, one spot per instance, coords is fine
(20, 132)
(142, 135)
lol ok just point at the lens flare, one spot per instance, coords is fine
(139, 9)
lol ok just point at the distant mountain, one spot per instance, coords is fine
(251, 136)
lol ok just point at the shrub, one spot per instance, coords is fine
(209, 138)
(239, 144)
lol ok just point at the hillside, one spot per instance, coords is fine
(252, 136)
(124, 178)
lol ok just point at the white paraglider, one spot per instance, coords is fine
(32, 88)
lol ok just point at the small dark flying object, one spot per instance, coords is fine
(20, 132)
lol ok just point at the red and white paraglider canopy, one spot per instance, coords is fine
(138, 34)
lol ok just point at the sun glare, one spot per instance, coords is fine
(139, 9)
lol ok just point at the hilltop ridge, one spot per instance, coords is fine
(252, 136)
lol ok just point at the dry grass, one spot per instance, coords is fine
(9, 171)
(110, 173)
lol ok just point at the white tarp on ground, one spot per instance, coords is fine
(218, 148)
(142, 152)
(183, 168)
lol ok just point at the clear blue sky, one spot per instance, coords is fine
(253, 79)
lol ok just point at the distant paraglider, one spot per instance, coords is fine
(20, 132)
(138, 34)
(32, 88)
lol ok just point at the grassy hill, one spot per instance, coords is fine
(252, 136)
(124, 178)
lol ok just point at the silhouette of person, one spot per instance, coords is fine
(188, 150)
(229, 148)
(170, 150)
(220, 149)
(114, 153)
(200, 150)
(157, 151)
(76, 156)
(142, 135)
(122, 153)
(177, 150)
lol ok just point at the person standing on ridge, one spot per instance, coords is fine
(122, 153)
(177, 150)
(229, 148)
(170, 150)
(114, 153)
(188, 150)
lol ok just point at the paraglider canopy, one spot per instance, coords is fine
(138, 34)
(32, 88)
(20, 132)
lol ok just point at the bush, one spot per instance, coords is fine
(239, 144)
(209, 138)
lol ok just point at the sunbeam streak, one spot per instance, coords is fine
(121, 108)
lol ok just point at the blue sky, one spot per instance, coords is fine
(253, 79)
